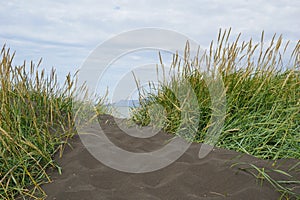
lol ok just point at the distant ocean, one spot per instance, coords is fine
(121, 109)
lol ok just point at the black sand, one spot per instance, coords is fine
(84, 177)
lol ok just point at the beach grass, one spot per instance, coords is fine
(262, 118)
(36, 121)
(262, 96)
(285, 187)
(262, 91)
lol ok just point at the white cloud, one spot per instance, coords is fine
(93, 21)
(64, 32)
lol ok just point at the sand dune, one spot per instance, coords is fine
(84, 177)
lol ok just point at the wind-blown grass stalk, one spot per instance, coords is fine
(285, 187)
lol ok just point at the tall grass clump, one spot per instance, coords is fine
(262, 101)
(262, 91)
(35, 122)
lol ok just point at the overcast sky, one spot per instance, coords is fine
(64, 32)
